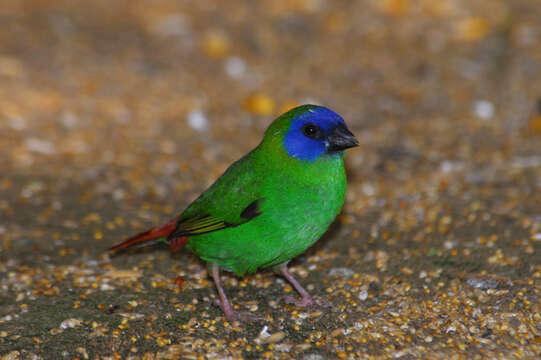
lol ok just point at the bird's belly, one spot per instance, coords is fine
(288, 225)
(300, 225)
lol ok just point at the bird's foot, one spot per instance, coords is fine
(307, 302)
(242, 316)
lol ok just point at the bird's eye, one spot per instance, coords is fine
(312, 131)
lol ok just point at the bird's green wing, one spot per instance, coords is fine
(233, 200)
(202, 224)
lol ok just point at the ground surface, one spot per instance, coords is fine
(115, 115)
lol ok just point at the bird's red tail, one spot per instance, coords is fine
(152, 234)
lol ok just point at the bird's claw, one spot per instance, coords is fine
(244, 316)
(302, 302)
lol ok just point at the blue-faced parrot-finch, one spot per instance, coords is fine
(269, 206)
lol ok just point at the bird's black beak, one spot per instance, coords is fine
(340, 139)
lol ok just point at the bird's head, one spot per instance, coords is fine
(309, 132)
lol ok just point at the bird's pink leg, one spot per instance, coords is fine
(224, 303)
(306, 300)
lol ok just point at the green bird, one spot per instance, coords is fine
(269, 206)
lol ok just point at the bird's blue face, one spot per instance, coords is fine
(316, 132)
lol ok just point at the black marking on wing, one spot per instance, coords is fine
(204, 224)
(251, 211)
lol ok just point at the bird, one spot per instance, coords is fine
(269, 206)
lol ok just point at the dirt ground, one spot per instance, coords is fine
(114, 115)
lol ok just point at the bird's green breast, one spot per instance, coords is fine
(300, 201)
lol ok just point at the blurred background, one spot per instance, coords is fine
(128, 101)
(114, 115)
(169, 84)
